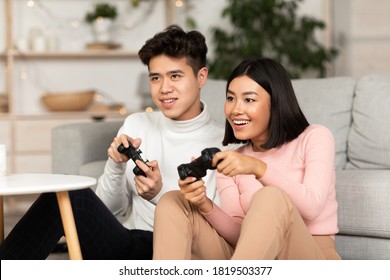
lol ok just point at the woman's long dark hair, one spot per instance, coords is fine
(287, 119)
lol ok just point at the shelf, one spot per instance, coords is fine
(79, 55)
(111, 67)
(66, 115)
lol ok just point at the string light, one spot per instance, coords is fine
(24, 75)
(30, 3)
(179, 3)
(71, 25)
(75, 23)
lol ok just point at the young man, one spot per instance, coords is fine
(180, 130)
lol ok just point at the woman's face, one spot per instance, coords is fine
(247, 108)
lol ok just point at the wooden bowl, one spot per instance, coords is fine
(3, 103)
(68, 101)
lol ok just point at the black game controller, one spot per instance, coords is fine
(198, 167)
(134, 154)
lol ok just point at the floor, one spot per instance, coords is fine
(14, 208)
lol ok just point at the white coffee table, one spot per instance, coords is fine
(19, 184)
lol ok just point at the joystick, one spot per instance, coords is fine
(198, 167)
(133, 154)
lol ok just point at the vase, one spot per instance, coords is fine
(101, 28)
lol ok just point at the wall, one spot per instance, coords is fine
(359, 28)
(2, 47)
(62, 21)
(362, 32)
(208, 16)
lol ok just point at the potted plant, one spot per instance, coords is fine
(102, 10)
(101, 18)
(273, 29)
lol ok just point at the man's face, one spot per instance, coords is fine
(174, 87)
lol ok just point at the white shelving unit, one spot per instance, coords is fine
(25, 126)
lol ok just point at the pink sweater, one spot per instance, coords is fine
(303, 168)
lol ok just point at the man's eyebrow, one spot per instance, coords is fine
(175, 72)
(151, 74)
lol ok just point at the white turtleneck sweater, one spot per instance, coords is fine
(169, 142)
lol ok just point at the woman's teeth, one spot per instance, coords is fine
(240, 122)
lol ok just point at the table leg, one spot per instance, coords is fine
(1, 220)
(67, 217)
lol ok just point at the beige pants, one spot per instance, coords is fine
(272, 229)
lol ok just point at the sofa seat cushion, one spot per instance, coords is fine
(362, 248)
(363, 202)
(329, 102)
(369, 139)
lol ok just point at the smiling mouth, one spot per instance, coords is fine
(241, 122)
(168, 101)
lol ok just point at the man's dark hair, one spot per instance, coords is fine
(287, 119)
(175, 42)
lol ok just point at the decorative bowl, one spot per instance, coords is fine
(3, 103)
(68, 101)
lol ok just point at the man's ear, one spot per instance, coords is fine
(202, 76)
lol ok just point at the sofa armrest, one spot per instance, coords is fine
(74, 145)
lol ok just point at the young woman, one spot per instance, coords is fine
(277, 191)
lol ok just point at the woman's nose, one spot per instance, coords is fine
(237, 109)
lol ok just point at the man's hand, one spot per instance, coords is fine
(112, 151)
(148, 187)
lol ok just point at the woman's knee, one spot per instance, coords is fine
(170, 201)
(169, 197)
(269, 192)
(271, 196)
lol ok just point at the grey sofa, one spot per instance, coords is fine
(358, 113)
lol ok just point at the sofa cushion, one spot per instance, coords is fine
(329, 102)
(364, 202)
(93, 169)
(362, 248)
(369, 138)
(213, 94)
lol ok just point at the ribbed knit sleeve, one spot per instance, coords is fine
(227, 226)
(111, 188)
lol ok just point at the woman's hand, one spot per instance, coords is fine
(232, 163)
(195, 192)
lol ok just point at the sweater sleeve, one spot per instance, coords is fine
(111, 187)
(317, 149)
(227, 226)
(227, 222)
